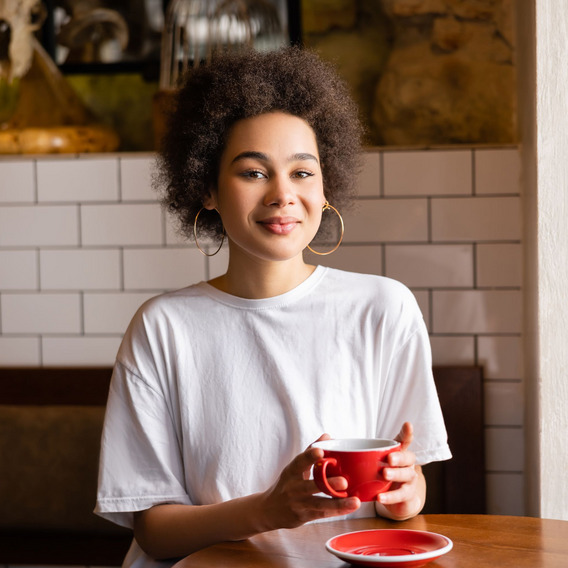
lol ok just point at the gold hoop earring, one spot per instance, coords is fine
(328, 206)
(195, 236)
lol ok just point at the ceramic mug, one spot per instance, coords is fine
(360, 461)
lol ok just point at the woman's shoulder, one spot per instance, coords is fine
(371, 284)
(162, 313)
(386, 298)
(159, 321)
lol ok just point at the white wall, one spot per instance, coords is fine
(526, 66)
(83, 243)
(544, 103)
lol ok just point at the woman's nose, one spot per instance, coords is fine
(279, 192)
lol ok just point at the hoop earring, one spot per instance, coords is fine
(328, 206)
(195, 236)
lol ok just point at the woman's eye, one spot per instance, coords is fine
(302, 174)
(253, 174)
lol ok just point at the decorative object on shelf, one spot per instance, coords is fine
(195, 29)
(39, 111)
(105, 36)
(92, 32)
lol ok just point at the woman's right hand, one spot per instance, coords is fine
(292, 500)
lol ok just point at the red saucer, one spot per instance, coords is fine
(389, 548)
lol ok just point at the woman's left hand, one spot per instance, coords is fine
(407, 494)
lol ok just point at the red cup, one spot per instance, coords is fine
(360, 461)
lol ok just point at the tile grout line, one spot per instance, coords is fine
(38, 266)
(429, 227)
(164, 221)
(81, 312)
(79, 225)
(40, 349)
(476, 349)
(473, 172)
(36, 188)
(119, 178)
(381, 174)
(475, 265)
(121, 284)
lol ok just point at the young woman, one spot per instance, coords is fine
(220, 388)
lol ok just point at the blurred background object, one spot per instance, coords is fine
(422, 73)
(87, 35)
(40, 112)
(119, 82)
(195, 29)
(91, 32)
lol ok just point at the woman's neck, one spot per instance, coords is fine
(263, 280)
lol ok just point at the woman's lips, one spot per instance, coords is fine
(279, 225)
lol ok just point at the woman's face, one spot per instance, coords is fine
(270, 188)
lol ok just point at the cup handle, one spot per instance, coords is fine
(320, 477)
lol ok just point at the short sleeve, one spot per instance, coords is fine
(409, 395)
(140, 464)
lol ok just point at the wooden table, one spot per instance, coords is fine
(480, 541)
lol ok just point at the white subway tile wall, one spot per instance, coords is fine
(79, 269)
(387, 220)
(428, 173)
(497, 171)
(453, 349)
(498, 265)
(110, 312)
(367, 184)
(136, 179)
(84, 242)
(17, 181)
(19, 270)
(39, 225)
(431, 266)
(70, 180)
(476, 219)
(476, 311)
(42, 313)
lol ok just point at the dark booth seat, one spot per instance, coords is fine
(50, 427)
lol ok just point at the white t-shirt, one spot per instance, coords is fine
(213, 395)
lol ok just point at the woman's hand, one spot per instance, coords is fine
(407, 494)
(292, 500)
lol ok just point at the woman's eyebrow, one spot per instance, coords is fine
(264, 157)
(304, 156)
(250, 154)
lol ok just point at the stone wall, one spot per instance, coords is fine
(423, 71)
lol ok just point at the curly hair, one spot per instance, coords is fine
(235, 86)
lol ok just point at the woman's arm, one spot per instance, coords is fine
(172, 530)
